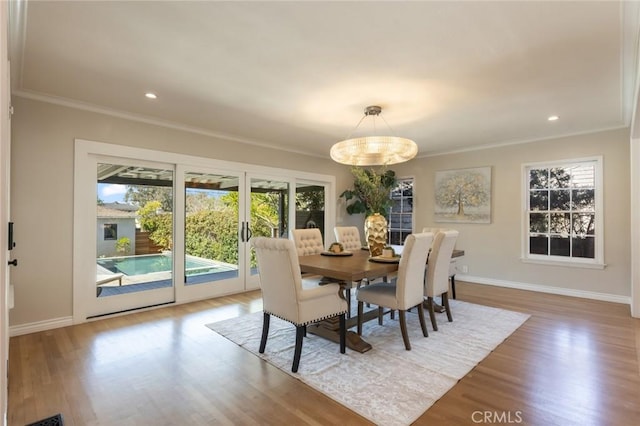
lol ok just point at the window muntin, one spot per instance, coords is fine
(563, 213)
(401, 213)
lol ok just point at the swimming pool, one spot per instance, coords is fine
(150, 263)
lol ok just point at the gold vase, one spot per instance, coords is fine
(375, 232)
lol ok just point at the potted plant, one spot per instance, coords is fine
(371, 195)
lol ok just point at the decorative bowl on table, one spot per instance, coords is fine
(336, 249)
(388, 256)
(388, 252)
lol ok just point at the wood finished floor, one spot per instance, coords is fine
(574, 362)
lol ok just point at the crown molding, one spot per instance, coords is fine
(70, 103)
(521, 142)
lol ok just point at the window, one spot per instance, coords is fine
(110, 231)
(401, 213)
(563, 213)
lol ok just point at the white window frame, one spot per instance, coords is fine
(598, 261)
(413, 216)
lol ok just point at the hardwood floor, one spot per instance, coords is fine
(575, 361)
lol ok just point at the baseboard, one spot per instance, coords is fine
(546, 289)
(34, 327)
(18, 330)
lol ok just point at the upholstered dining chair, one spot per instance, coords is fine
(407, 290)
(349, 237)
(437, 281)
(308, 241)
(284, 296)
(452, 263)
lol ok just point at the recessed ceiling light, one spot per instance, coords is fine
(553, 118)
(151, 95)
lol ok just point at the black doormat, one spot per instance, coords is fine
(49, 421)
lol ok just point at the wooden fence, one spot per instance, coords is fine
(144, 245)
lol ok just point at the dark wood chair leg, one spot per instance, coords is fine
(445, 303)
(298, 350)
(360, 314)
(432, 313)
(423, 323)
(380, 315)
(392, 314)
(453, 286)
(403, 329)
(343, 333)
(265, 331)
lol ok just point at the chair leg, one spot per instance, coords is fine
(403, 329)
(380, 315)
(432, 313)
(423, 323)
(392, 314)
(453, 286)
(360, 314)
(265, 331)
(343, 333)
(298, 350)
(445, 303)
(347, 292)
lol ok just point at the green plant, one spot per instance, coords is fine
(371, 192)
(123, 245)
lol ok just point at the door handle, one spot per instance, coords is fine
(248, 232)
(12, 244)
(13, 262)
(242, 233)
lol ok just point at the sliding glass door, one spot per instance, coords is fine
(212, 249)
(134, 223)
(268, 214)
(152, 227)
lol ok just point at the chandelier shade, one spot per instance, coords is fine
(373, 150)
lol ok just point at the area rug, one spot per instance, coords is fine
(387, 385)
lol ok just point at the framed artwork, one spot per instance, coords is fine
(463, 195)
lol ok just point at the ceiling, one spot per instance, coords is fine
(297, 76)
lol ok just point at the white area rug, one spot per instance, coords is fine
(388, 384)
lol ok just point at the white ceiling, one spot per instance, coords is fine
(298, 75)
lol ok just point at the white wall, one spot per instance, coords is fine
(493, 250)
(42, 190)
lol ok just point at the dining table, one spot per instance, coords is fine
(349, 268)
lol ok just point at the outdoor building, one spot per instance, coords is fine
(114, 225)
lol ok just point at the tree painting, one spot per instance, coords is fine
(463, 195)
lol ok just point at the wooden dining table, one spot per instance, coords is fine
(348, 270)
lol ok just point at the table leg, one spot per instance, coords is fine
(330, 330)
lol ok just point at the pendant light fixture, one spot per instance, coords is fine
(373, 150)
